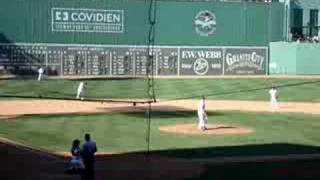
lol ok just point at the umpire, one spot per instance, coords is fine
(89, 148)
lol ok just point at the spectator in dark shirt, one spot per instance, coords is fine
(88, 151)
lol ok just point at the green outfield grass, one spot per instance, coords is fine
(126, 132)
(237, 89)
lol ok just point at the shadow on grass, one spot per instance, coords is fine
(298, 169)
(107, 78)
(40, 95)
(67, 97)
(66, 115)
(170, 114)
(243, 150)
(163, 164)
(221, 127)
(141, 114)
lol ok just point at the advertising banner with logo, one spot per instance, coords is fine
(205, 23)
(245, 61)
(217, 23)
(75, 22)
(87, 20)
(201, 61)
(178, 23)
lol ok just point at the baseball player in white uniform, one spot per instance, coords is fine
(40, 72)
(80, 90)
(202, 115)
(273, 97)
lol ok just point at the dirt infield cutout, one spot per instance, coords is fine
(25, 107)
(212, 129)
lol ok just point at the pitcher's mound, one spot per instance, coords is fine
(211, 129)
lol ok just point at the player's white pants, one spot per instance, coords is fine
(79, 93)
(39, 77)
(202, 120)
(274, 103)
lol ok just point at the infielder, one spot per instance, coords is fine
(40, 72)
(80, 90)
(273, 97)
(202, 115)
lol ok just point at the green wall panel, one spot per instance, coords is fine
(175, 23)
(30, 21)
(308, 58)
(277, 23)
(237, 24)
(283, 58)
(294, 58)
(256, 23)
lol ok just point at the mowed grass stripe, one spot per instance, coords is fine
(126, 132)
(229, 89)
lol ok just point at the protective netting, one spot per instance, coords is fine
(77, 39)
(82, 51)
(132, 73)
(132, 53)
(127, 43)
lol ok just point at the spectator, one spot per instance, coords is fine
(88, 151)
(76, 164)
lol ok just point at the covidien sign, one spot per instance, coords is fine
(87, 20)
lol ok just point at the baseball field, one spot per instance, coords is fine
(246, 138)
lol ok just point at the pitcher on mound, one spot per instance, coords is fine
(202, 115)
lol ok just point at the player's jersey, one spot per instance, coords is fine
(40, 71)
(273, 93)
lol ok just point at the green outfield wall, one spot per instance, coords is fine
(110, 37)
(294, 58)
(177, 23)
(236, 24)
(282, 58)
(74, 21)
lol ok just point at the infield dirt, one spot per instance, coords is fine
(15, 108)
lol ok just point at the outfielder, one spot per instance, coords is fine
(202, 115)
(40, 72)
(80, 90)
(273, 97)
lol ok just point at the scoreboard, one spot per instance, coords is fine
(122, 60)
